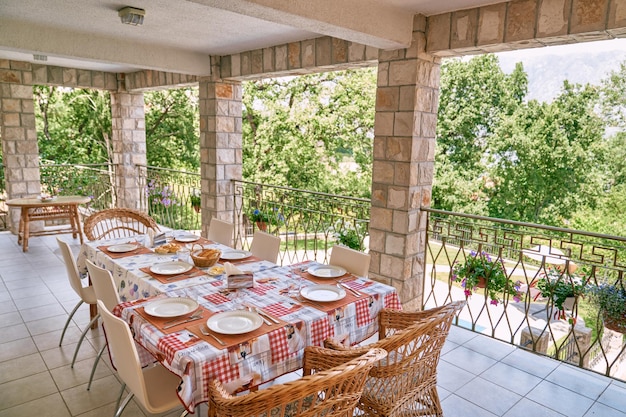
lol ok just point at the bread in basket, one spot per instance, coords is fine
(204, 258)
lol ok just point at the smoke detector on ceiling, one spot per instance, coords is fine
(131, 16)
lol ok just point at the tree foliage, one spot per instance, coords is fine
(311, 132)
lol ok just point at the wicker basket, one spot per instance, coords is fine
(204, 257)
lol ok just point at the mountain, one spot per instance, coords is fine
(548, 67)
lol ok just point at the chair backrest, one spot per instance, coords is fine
(341, 386)
(85, 293)
(124, 353)
(103, 285)
(118, 222)
(265, 246)
(221, 231)
(408, 375)
(353, 261)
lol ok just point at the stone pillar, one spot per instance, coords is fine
(129, 146)
(18, 133)
(402, 175)
(220, 145)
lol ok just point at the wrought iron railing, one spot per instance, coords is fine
(91, 180)
(171, 197)
(309, 223)
(576, 333)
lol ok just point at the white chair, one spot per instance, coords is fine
(154, 386)
(221, 231)
(86, 294)
(265, 246)
(105, 290)
(353, 261)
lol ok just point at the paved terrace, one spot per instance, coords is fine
(478, 376)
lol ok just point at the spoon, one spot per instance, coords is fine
(206, 332)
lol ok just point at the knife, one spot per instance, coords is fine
(263, 313)
(187, 320)
(353, 291)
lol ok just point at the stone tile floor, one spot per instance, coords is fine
(478, 376)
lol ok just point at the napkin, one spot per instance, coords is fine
(236, 278)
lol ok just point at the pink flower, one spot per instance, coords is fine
(467, 293)
(494, 302)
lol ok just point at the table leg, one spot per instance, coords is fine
(20, 229)
(93, 311)
(26, 216)
(72, 221)
(78, 225)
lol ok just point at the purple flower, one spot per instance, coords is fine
(494, 302)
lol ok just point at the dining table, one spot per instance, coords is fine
(46, 209)
(199, 327)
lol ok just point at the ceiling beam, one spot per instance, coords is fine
(29, 38)
(364, 21)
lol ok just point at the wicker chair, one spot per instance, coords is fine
(117, 222)
(405, 383)
(333, 390)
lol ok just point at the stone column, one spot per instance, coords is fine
(18, 133)
(220, 145)
(402, 175)
(129, 146)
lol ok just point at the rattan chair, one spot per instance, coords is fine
(86, 294)
(405, 383)
(353, 261)
(118, 222)
(221, 231)
(265, 246)
(333, 390)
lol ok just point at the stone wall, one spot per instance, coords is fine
(524, 24)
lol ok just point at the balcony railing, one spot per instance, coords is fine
(577, 335)
(309, 223)
(171, 197)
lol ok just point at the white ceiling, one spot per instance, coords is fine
(180, 35)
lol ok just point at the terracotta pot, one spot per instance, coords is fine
(482, 282)
(615, 324)
(262, 226)
(196, 208)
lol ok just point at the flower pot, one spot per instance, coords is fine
(262, 226)
(615, 324)
(196, 208)
(568, 304)
(482, 282)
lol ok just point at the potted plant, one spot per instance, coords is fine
(611, 303)
(480, 271)
(196, 201)
(563, 289)
(265, 218)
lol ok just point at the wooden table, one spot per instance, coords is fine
(33, 209)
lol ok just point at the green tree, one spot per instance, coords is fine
(545, 159)
(312, 132)
(172, 129)
(474, 97)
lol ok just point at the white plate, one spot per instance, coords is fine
(233, 255)
(121, 248)
(234, 322)
(187, 238)
(326, 271)
(323, 293)
(171, 268)
(170, 307)
(47, 199)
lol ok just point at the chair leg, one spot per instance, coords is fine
(95, 365)
(120, 410)
(68, 321)
(82, 336)
(119, 397)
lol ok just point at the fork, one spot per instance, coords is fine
(174, 323)
(206, 332)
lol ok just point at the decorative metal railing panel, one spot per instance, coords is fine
(91, 180)
(309, 223)
(580, 260)
(171, 197)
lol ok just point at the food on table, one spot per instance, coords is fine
(167, 248)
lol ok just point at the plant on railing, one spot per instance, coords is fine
(350, 235)
(160, 195)
(611, 302)
(561, 287)
(196, 201)
(480, 271)
(263, 218)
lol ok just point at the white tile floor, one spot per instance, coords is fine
(478, 376)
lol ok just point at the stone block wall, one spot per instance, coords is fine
(525, 24)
